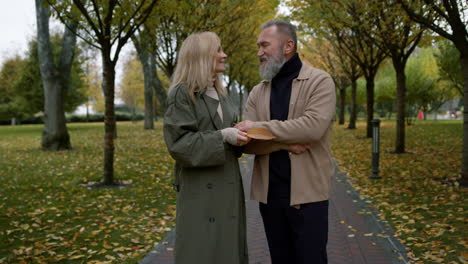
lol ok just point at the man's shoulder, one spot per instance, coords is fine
(257, 88)
(309, 72)
(259, 85)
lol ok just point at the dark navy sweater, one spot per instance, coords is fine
(279, 186)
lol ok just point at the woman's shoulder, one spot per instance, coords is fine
(178, 93)
(178, 88)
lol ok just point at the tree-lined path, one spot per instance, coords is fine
(356, 235)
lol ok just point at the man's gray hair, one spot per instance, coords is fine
(284, 27)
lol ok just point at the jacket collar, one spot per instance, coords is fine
(290, 68)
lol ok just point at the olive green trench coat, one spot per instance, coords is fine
(210, 221)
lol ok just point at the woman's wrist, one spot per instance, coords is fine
(230, 135)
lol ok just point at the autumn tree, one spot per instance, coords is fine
(144, 45)
(448, 18)
(10, 103)
(237, 24)
(425, 90)
(22, 88)
(107, 26)
(132, 86)
(55, 79)
(385, 96)
(397, 36)
(239, 40)
(92, 79)
(322, 54)
(448, 62)
(346, 23)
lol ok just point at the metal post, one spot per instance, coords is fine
(375, 149)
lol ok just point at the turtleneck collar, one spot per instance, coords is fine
(291, 66)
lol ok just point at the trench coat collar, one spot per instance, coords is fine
(212, 105)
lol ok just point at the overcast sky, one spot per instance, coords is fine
(17, 26)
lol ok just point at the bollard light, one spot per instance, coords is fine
(375, 149)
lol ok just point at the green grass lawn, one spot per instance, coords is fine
(47, 217)
(430, 218)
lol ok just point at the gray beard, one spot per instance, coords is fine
(272, 66)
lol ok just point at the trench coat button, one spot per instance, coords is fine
(211, 219)
(209, 186)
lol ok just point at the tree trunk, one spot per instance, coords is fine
(145, 58)
(55, 80)
(341, 115)
(353, 116)
(149, 108)
(464, 66)
(109, 114)
(87, 112)
(401, 97)
(134, 111)
(161, 93)
(54, 135)
(370, 103)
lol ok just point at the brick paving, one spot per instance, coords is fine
(356, 234)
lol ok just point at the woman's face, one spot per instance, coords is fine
(220, 57)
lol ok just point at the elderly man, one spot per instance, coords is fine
(292, 173)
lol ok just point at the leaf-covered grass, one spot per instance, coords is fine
(430, 218)
(46, 216)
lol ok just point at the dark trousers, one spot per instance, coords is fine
(296, 236)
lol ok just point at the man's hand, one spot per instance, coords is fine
(244, 125)
(298, 148)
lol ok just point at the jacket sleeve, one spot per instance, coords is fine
(311, 126)
(186, 144)
(258, 147)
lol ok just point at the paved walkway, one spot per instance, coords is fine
(356, 235)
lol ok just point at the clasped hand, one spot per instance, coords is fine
(246, 125)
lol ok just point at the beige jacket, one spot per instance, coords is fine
(310, 120)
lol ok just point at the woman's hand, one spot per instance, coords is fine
(242, 138)
(235, 136)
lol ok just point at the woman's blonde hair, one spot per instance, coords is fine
(196, 64)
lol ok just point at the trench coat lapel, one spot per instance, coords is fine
(230, 117)
(212, 107)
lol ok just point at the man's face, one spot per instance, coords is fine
(270, 43)
(270, 52)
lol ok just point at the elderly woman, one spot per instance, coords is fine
(210, 222)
